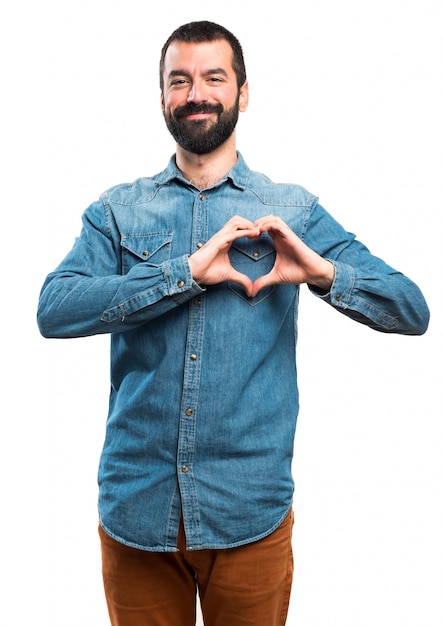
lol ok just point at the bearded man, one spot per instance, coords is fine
(195, 273)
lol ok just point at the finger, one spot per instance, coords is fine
(233, 235)
(235, 228)
(246, 230)
(276, 229)
(241, 279)
(240, 223)
(270, 222)
(263, 281)
(223, 239)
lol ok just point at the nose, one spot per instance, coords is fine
(196, 94)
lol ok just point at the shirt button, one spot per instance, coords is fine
(180, 284)
(256, 253)
(145, 252)
(188, 412)
(193, 357)
(199, 245)
(197, 302)
(185, 469)
(202, 196)
(338, 297)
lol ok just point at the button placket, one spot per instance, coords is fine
(191, 382)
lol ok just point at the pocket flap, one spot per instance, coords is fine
(145, 246)
(255, 249)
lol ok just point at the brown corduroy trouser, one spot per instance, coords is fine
(245, 586)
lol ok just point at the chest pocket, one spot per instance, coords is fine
(154, 248)
(253, 258)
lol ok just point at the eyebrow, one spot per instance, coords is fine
(216, 70)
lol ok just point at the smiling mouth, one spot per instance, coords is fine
(199, 116)
(192, 111)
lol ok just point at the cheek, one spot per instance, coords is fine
(172, 102)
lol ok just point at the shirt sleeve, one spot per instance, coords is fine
(87, 293)
(365, 288)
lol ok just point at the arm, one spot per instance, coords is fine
(361, 286)
(87, 293)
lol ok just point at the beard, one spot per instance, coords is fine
(202, 136)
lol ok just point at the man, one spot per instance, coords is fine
(195, 272)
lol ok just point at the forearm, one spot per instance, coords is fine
(365, 288)
(75, 305)
(386, 301)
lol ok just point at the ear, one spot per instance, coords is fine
(162, 101)
(244, 97)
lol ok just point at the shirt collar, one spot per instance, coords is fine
(238, 174)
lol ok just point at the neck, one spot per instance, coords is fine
(205, 170)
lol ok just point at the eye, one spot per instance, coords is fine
(178, 81)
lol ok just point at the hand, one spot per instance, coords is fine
(210, 264)
(295, 262)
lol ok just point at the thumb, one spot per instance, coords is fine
(241, 279)
(261, 282)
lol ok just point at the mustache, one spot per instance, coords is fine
(191, 108)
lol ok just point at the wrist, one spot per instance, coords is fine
(325, 281)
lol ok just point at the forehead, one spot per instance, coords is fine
(198, 57)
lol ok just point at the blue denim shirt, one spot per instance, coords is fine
(204, 399)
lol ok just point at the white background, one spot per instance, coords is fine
(347, 100)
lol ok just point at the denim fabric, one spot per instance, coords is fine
(204, 399)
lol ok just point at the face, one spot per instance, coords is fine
(201, 100)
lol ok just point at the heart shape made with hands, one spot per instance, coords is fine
(294, 262)
(278, 253)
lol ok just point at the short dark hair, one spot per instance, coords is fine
(202, 32)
